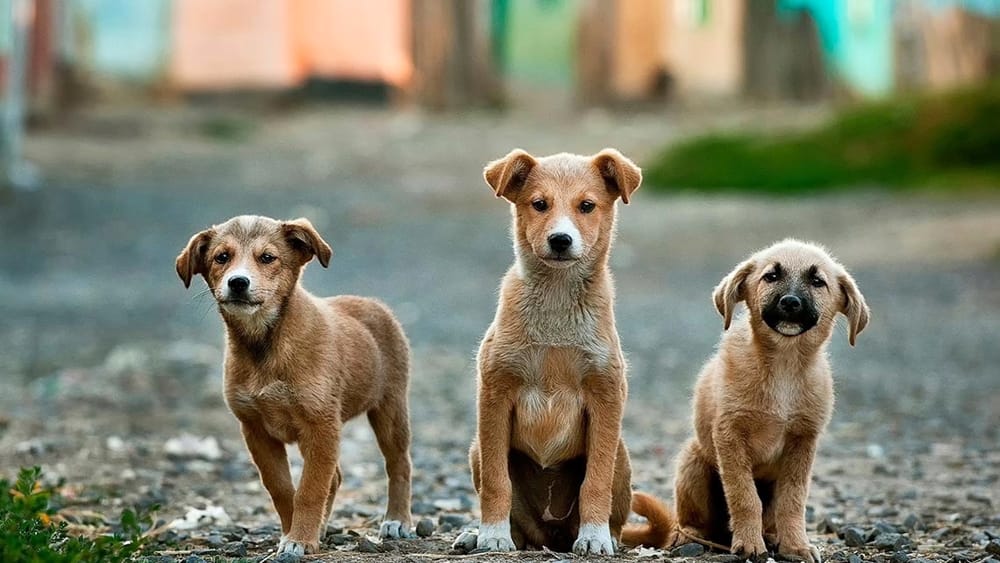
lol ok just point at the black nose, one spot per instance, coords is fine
(239, 284)
(559, 242)
(790, 304)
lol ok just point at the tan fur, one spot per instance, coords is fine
(548, 457)
(298, 366)
(760, 405)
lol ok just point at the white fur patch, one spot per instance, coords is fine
(789, 329)
(235, 272)
(594, 539)
(564, 225)
(495, 537)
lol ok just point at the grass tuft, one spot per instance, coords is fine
(944, 140)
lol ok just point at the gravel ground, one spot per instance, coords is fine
(106, 358)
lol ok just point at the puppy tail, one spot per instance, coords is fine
(659, 522)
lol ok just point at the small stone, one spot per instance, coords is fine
(900, 557)
(235, 549)
(366, 545)
(913, 523)
(853, 537)
(194, 559)
(215, 540)
(157, 559)
(688, 550)
(885, 528)
(425, 527)
(339, 539)
(854, 558)
(287, 557)
(993, 548)
(827, 525)
(450, 522)
(424, 508)
(886, 542)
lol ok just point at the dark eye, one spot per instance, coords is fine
(222, 258)
(540, 205)
(771, 277)
(587, 206)
(817, 281)
(267, 258)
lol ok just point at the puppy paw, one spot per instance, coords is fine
(394, 530)
(495, 537)
(296, 548)
(466, 541)
(594, 539)
(748, 545)
(806, 552)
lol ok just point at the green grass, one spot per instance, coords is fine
(948, 140)
(29, 534)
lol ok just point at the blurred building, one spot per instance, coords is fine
(445, 53)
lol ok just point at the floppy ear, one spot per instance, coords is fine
(854, 306)
(303, 237)
(730, 291)
(620, 174)
(191, 260)
(508, 174)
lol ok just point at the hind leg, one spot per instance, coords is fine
(334, 486)
(696, 497)
(391, 422)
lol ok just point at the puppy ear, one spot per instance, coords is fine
(730, 291)
(508, 174)
(620, 174)
(854, 307)
(303, 237)
(191, 260)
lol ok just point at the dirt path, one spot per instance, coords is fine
(106, 356)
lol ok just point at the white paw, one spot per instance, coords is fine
(285, 545)
(394, 530)
(495, 537)
(594, 539)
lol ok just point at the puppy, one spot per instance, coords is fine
(760, 405)
(548, 460)
(298, 366)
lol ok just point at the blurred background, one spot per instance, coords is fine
(872, 126)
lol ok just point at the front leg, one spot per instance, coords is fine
(604, 395)
(319, 443)
(745, 508)
(495, 409)
(269, 455)
(791, 492)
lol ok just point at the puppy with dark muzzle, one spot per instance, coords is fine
(298, 366)
(760, 405)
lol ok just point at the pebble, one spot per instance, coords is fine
(900, 557)
(854, 558)
(366, 545)
(449, 522)
(885, 528)
(425, 527)
(853, 537)
(339, 539)
(891, 542)
(913, 523)
(993, 548)
(466, 542)
(827, 525)
(235, 549)
(688, 550)
(194, 559)
(287, 557)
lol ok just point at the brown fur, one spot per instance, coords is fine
(548, 459)
(298, 366)
(760, 405)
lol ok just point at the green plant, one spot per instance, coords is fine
(945, 140)
(30, 534)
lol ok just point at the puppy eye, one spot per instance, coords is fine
(818, 282)
(222, 258)
(771, 277)
(267, 258)
(587, 206)
(540, 205)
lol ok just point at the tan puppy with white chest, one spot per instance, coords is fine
(297, 367)
(760, 405)
(548, 461)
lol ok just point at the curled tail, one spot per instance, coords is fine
(659, 526)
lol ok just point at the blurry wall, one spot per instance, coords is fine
(703, 48)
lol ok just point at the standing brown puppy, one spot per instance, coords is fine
(760, 405)
(548, 461)
(298, 366)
